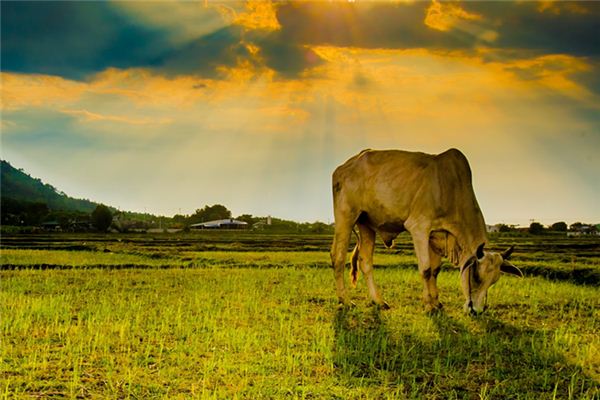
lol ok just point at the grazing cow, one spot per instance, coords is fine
(430, 196)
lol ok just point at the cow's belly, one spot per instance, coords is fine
(387, 229)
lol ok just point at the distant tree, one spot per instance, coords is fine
(559, 227)
(21, 212)
(536, 228)
(101, 218)
(210, 213)
(576, 226)
(35, 213)
(178, 221)
(319, 227)
(178, 218)
(504, 228)
(282, 225)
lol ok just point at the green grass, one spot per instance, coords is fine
(266, 325)
(77, 259)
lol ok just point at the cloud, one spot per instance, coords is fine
(521, 26)
(556, 73)
(20, 90)
(378, 25)
(288, 60)
(205, 55)
(443, 16)
(87, 116)
(74, 39)
(443, 26)
(79, 39)
(259, 14)
(181, 21)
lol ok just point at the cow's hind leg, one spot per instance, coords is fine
(365, 260)
(339, 251)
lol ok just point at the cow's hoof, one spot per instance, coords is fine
(344, 305)
(474, 313)
(382, 306)
(434, 309)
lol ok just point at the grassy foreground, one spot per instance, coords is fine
(266, 325)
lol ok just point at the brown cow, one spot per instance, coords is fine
(430, 196)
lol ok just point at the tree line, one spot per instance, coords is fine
(536, 228)
(31, 216)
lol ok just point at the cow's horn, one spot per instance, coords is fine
(506, 254)
(479, 253)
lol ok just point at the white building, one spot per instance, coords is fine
(229, 223)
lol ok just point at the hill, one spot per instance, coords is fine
(18, 186)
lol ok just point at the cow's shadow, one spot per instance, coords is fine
(499, 361)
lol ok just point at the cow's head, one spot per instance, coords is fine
(480, 272)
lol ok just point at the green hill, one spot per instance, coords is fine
(17, 186)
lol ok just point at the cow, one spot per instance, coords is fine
(431, 196)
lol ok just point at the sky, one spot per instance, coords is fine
(164, 107)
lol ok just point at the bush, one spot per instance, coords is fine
(536, 228)
(101, 218)
(559, 227)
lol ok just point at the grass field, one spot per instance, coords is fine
(255, 316)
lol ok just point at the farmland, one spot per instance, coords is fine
(251, 315)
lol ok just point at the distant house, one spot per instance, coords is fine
(493, 228)
(229, 223)
(261, 224)
(51, 226)
(585, 230)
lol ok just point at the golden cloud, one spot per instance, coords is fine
(444, 16)
(375, 88)
(550, 72)
(259, 14)
(555, 7)
(87, 116)
(147, 89)
(26, 90)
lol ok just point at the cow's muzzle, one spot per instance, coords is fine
(472, 311)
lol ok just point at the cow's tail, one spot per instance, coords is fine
(354, 261)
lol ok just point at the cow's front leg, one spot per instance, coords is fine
(429, 264)
(435, 261)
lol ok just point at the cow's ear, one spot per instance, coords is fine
(506, 254)
(509, 268)
(479, 253)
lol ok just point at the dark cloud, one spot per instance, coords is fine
(379, 25)
(74, 39)
(387, 25)
(522, 26)
(591, 77)
(204, 55)
(286, 58)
